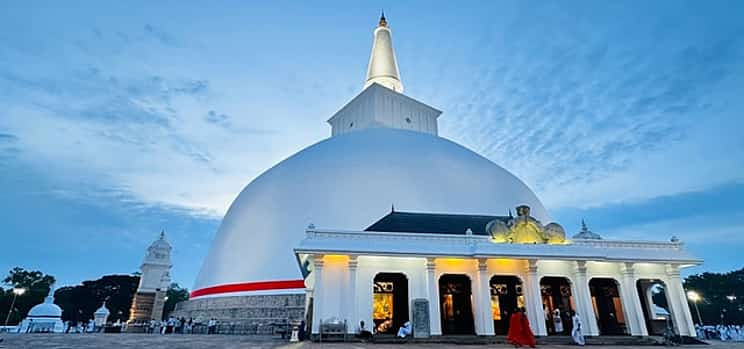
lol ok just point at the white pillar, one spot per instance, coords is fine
(632, 302)
(533, 299)
(317, 293)
(351, 302)
(483, 307)
(433, 294)
(584, 306)
(678, 297)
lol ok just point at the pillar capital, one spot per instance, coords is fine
(353, 262)
(482, 264)
(431, 263)
(627, 268)
(318, 261)
(532, 266)
(672, 270)
(580, 268)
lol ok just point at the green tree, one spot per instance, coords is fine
(79, 302)
(175, 294)
(36, 285)
(720, 293)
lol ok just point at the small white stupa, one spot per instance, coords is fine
(44, 317)
(101, 316)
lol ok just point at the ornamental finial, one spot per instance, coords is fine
(383, 21)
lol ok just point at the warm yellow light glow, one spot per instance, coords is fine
(451, 261)
(335, 258)
(693, 296)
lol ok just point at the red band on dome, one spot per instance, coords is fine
(249, 286)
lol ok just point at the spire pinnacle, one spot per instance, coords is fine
(383, 68)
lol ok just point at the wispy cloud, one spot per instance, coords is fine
(571, 107)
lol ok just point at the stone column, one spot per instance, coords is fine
(351, 303)
(533, 299)
(433, 295)
(632, 302)
(678, 302)
(583, 300)
(317, 293)
(483, 308)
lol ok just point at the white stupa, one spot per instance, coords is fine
(44, 317)
(100, 316)
(384, 150)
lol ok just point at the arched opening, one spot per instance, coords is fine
(607, 306)
(506, 296)
(389, 302)
(655, 306)
(455, 299)
(558, 303)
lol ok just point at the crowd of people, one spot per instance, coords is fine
(175, 325)
(733, 333)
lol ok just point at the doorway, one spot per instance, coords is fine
(455, 299)
(655, 306)
(506, 296)
(558, 303)
(389, 302)
(607, 306)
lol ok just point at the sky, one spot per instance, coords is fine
(121, 119)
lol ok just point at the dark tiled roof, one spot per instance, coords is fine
(434, 223)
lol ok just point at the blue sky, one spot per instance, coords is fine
(118, 120)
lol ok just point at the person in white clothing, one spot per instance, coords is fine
(576, 333)
(557, 321)
(404, 330)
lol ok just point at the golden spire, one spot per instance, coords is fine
(383, 21)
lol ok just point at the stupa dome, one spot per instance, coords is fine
(45, 310)
(349, 181)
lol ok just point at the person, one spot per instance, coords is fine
(302, 333)
(169, 325)
(364, 334)
(527, 334)
(404, 330)
(557, 321)
(211, 325)
(576, 333)
(520, 332)
(190, 326)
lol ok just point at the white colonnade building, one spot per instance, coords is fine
(604, 281)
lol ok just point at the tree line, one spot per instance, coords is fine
(721, 297)
(78, 302)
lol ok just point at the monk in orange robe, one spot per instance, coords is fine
(520, 333)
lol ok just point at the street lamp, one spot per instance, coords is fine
(695, 298)
(16, 292)
(731, 298)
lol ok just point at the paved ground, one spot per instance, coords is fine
(148, 341)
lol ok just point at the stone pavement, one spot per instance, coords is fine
(150, 341)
